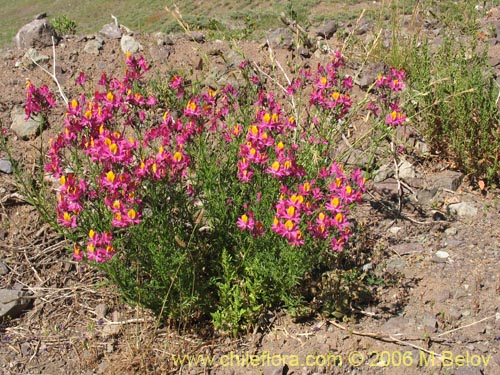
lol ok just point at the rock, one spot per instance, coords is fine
(387, 188)
(327, 29)
(24, 129)
(362, 27)
(406, 170)
(429, 323)
(383, 173)
(442, 254)
(13, 302)
(408, 248)
(462, 209)
(159, 54)
(280, 38)
(33, 57)
(395, 230)
(4, 270)
(38, 33)
(453, 314)
(5, 167)
(129, 44)
(111, 330)
(101, 310)
(369, 74)
(450, 180)
(163, 39)
(304, 52)
(197, 36)
(233, 59)
(395, 264)
(94, 46)
(111, 31)
(425, 196)
(451, 231)
(367, 267)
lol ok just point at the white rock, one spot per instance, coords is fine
(442, 254)
(129, 44)
(462, 209)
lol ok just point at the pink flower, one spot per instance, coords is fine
(246, 222)
(81, 79)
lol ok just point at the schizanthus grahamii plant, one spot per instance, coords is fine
(214, 200)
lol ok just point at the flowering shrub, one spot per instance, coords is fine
(221, 204)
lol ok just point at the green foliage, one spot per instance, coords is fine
(457, 103)
(454, 94)
(64, 25)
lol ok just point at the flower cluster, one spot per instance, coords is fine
(38, 100)
(330, 90)
(319, 207)
(263, 148)
(393, 82)
(113, 148)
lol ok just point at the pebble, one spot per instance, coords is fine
(4, 270)
(442, 254)
(463, 209)
(451, 231)
(5, 166)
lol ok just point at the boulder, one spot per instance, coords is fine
(38, 33)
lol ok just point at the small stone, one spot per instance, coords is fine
(451, 231)
(382, 174)
(442, 254)
(13, 302)
(4, 270)
(395, 264)
(406, 170)
(94, 46)
(129, 44)
(32, 57)
(5, 166)
(304, 52)
(111, 31)
(280, 38)
(367, 267)
(197, 36)
(111, 330)
(425, 196)
(449, 180)
(430, 323)
(388, 188)
(395, 230)
(453, 314)
(327, 29)
(24, 129)
(462, 209)
(369, 74)
(101, 310)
